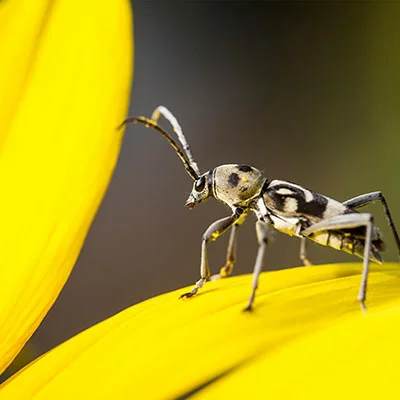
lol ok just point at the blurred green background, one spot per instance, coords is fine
(307, 92)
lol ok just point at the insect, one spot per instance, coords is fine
(287, 207)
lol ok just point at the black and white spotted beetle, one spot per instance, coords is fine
(289, 208)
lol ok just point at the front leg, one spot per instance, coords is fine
(214, 231)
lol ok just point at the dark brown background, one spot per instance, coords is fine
(307, 92)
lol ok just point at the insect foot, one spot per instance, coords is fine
(194, 291)
(224, 272)
(361, 299)
(188, 294)
(248, 308)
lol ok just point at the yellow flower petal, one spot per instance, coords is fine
(355, 359)
(65, 74)
(305, 319)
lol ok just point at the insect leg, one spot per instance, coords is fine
(365, 199)
(349, 221)
(303, 252)
(214, 231)
(262, 236)
(226, 270)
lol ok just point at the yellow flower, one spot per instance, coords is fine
(307, 338)
(65, 74)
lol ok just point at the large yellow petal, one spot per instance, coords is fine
(307, 328)
(65, 75)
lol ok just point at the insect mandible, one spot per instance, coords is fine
(287, 207)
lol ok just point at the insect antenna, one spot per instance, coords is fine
(192, 171)
(161, 110)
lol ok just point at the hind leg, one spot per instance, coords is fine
(349, 221)
(365, 199)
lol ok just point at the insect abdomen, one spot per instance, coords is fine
(347, 243)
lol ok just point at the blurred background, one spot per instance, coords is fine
(306, 92)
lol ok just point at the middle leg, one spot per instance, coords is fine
(262, 230)
(226, 270)
(303, 252)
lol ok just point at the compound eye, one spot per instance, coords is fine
(200, 183)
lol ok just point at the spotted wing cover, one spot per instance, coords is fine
(293, 201)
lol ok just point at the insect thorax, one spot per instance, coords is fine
(237, 184)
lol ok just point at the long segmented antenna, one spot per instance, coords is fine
(161, 110)
(192, 172)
